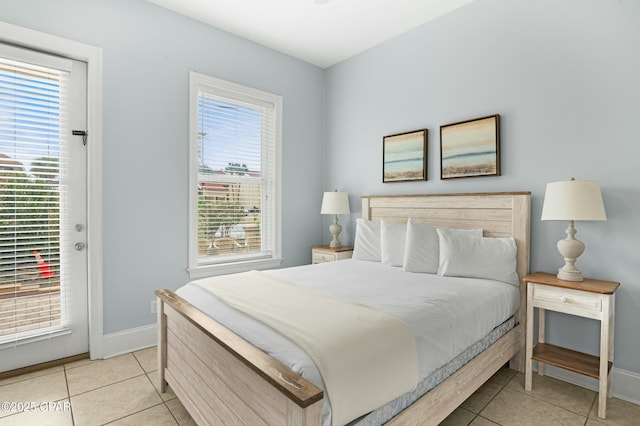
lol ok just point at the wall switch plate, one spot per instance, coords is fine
(154, 306)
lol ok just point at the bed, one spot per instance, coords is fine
(221, 378)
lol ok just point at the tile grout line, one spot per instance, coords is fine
(476, 415)
(131, 414)
(66, 382)
(160, 395)
(157, 391)
(595, 401)
(27, 378)
(502, 388)
(107, 385)
(67, 397)
(530, 394)
(144, 373)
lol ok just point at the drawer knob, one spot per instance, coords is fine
(564, 299)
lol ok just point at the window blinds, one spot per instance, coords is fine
(32, 122)
(236, 177)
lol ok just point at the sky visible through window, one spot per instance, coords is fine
(29, 117)
(229, 135)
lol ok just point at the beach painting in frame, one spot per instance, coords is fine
(470, 148)
(404, 157)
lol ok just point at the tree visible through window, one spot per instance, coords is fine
(30, 152)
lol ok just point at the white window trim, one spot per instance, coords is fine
(199, 81)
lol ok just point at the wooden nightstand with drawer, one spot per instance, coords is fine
(321, 254)
(589, 298)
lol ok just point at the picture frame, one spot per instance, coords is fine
(404, 156)
(470, 148)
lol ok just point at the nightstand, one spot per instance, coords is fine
(589, 298)
(321, 254)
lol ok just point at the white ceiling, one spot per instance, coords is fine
(321, 32)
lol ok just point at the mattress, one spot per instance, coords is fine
(389, 411)
(447, 315)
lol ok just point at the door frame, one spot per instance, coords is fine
(92, 55)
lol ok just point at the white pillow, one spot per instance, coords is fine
(422, 247)
(367, 241)
(477, 257)
(392, 241)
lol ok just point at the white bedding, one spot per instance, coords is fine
(445, 314)
(333, 341)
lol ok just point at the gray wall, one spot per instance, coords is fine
(148, 53)
(563, 75)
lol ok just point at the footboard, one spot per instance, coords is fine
(442, 400)
(222, 379)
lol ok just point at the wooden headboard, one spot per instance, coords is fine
(499, 214)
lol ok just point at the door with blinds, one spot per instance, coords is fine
(43, 257)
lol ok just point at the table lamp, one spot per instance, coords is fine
(572, 200)
(335, 203)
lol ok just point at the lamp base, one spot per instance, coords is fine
(570, 249)
(335, 228)
(570, 275)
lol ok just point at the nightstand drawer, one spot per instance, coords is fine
(567, 300)
(319, 257)
(322, 254)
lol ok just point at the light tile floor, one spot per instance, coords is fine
(123, 391)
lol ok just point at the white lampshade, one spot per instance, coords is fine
(573, 200)
(335, 203)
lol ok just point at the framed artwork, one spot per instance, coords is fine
(404, 156)
(470, 148)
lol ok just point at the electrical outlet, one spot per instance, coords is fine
(154, 307)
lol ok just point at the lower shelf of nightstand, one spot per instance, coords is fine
(568, 359)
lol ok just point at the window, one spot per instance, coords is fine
(235, 181)
(32, 153)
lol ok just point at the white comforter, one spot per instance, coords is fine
(445, 314)
(332, 332)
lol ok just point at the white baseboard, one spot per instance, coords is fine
(130, 340)
(626, 384)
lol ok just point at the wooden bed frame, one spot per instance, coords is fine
(222, 379)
